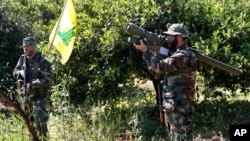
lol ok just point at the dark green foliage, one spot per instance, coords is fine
(216, 116)
(102, 58)
(8, 44)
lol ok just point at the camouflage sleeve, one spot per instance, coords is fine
(168, 65)
(153, 73)
(44, 77)
(18, 68)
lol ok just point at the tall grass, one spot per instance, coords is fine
(133, 117)
(105, 120)
(12, 128)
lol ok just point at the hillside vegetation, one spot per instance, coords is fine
(93, 94)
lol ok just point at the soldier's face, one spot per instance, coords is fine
(28, 49)
(172, 40)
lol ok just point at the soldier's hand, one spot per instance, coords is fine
(142, 47)
(21, 73)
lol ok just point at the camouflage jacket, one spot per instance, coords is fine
(180, 72)
(38, 71)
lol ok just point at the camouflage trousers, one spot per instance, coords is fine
(37, 110)
(179, 126)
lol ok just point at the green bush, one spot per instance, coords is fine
(102, 59)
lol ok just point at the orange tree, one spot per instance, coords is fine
(102, 58)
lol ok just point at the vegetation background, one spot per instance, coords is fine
(94, 96)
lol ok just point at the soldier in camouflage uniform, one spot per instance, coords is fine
(178, 91)
(38, 77)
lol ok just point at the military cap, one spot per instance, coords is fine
(29, 41)
(177, 29)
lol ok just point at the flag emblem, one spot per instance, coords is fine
(64, 32)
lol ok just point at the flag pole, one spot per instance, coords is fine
(57, 26)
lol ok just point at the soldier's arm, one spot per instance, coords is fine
(168, 65)
(18, 70)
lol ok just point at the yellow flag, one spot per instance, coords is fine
(64, 33)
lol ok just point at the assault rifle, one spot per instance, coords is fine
(157, 44)
(24, 94)
(25, 76)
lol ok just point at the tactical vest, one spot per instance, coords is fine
(33, 73)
